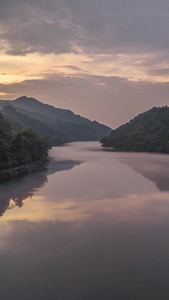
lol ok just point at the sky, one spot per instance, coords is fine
(105, 60)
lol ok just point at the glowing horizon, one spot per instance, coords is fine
(107, 62)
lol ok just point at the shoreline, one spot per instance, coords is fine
(13, 173)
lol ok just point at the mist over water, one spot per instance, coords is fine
(93, 225)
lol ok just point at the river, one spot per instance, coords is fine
(94, 225)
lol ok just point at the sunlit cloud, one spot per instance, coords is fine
(134, 67)
(47, 46)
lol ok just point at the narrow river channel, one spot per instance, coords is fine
(93, 226)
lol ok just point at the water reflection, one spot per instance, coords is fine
(97, 231)
(104, 186)
(154, 167)
(14, 192)
(90, 260)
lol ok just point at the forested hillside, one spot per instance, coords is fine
(20, 148)
(148, 132)
(20, 121)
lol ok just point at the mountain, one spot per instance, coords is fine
(19, 121)
(148, 132)
(63, 124)
(32, 105)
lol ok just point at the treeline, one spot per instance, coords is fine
(20, 121)
(20, 148)
(148, 132)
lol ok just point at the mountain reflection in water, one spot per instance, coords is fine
(154, 167)
(93, 230)
(14, 192)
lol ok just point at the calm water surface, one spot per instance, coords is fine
(94, 225)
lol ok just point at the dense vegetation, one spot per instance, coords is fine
(27, 126)
(21, 148)
(148, 132)
(20, 121)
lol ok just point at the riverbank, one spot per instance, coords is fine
(22, 170)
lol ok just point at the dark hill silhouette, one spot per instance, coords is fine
(148, 132)
(64, 124)
(19, 121)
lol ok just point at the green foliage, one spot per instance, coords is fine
(29, 146)
(148, 132)
(20, 121)
(23, 147)
(5, 143)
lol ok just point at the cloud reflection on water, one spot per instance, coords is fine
(14, 192)
(88, 232)
(104, 187)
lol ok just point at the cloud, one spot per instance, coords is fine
(159, 72)
(72, 68)
(109, 100)
(93, 27)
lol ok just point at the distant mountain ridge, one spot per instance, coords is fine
(59, 125)
(33, 105)
(148, 132)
